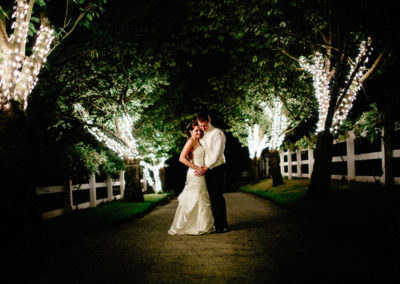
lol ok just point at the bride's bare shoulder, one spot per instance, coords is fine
(189, 145)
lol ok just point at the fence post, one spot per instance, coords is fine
(267, 167)
(109, 188)
(310, 161)
(71, 195)
(122, 183)
(289, 164)
(282, 162)
(383, 155)
(92, 190)
(351, 162)
(144, 181)
(298, 158)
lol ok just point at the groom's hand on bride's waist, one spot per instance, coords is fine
(201, 171)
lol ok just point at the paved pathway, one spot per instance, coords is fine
(265, 245)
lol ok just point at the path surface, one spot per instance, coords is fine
(265, 245)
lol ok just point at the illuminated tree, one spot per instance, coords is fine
(270, 138)
(18, 72)
(276, 131)
(29, 31)
(326, 28)
(109, 94)
(256, 142)
(322, 76)
(152, 173)
(20, 64)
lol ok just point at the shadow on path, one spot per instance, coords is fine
(265, 245)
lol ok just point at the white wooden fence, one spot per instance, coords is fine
(92, 186)
(300, 163)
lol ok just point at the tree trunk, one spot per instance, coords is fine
(18, 197)
(162, 178)
(321, 176)
(255, 171)
(133, 189)
(275, 169)
(387, 141)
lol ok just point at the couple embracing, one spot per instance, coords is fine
(202, 208)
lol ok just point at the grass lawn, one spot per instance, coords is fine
(290, 192)
(82, 223)
(352, 208)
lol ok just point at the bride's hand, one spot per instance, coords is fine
(200, 170)
(197, 170)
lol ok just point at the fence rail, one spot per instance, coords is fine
(74, 189)
(348, 164)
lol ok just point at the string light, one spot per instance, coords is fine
(279, 124)
(125, 145)
(18, 72)
(321, 80)
(154, 180)
(255, 144)
(275, 139)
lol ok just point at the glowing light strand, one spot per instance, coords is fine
(18, 72)
(154, 180)
(321, 81)
(275, 139)
(126, 149)
(279, 124)
(255, 144)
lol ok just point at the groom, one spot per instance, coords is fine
(214, 143)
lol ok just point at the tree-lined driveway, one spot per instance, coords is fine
(266, 244)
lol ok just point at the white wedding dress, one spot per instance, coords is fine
(193, 215)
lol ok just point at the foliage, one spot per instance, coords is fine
(343, 129)
(64, 18)
(114, 165)
(22, 58)
(118, 83)
(307, 141)
(370, 124)
(85, 160)
(158, 134)
(258, 72)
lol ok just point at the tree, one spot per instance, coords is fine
(24, 47)
(109, 94)
(20, 64)
(332, 29)
(158, 139)
(333, 40)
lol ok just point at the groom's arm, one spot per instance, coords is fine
(218, 145)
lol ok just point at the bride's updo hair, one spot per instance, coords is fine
(190, 127)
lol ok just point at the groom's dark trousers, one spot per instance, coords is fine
(215, 185)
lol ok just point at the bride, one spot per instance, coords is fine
(193, 215)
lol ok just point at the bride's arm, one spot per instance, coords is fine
(187, 149)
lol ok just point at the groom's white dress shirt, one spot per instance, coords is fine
(214, 143)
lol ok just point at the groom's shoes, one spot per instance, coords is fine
(222, 230)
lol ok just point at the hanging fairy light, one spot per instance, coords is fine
(321, 85)
(279, 124)
(255, 144)
(347, 103)
(275, 138)
(321, 81)
(18, 72)
(154, 180)
(125, 146)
